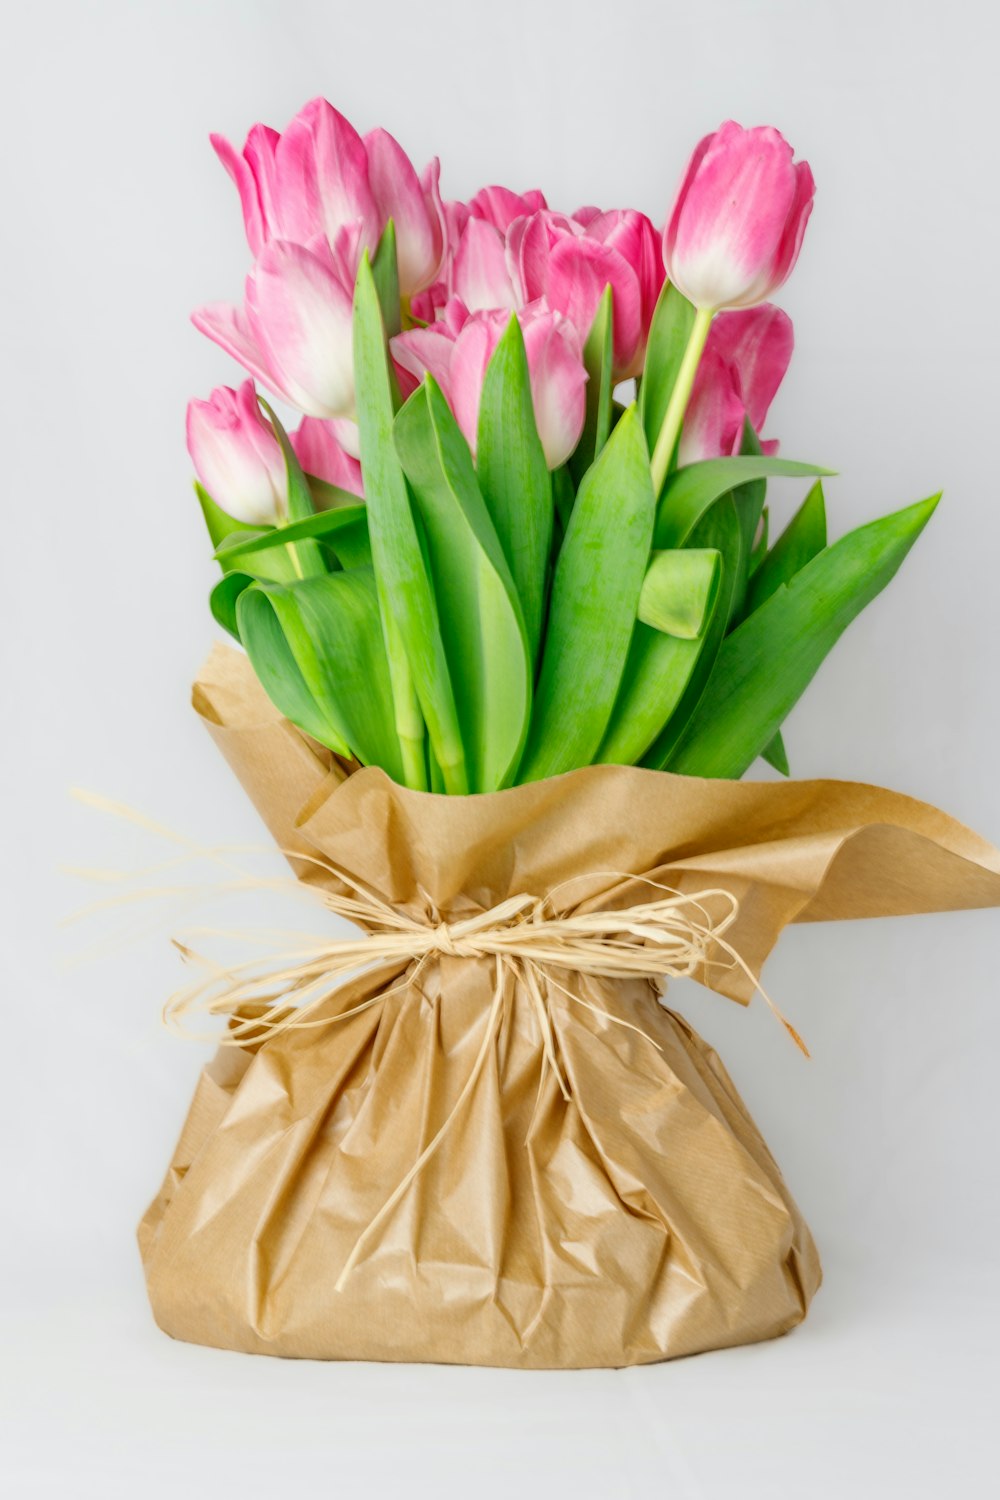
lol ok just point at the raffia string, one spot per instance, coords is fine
(670, 936)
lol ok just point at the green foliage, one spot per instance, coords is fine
(595, 598)
(514, 477)
(481, 622)
(478, 622)
(766, 664)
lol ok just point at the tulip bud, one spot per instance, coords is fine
(737, 224)
(745, 359)
(457, 349)
(236, 456)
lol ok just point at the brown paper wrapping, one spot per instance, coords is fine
(641, 1219)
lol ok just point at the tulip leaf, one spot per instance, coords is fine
(669, 332)
(680, 590)
(219, 523)
(595, 596)
(417, 662)
(690, 492)
(481, 620)
(274, 562)
(330, 496)
(324, 524)
(300, 500)
(598, 357)
(799, 543)
(316, 647)
(766, 664)
(664, 677)
(759, 552)
(223, 600)
(385, 273)
(776, 755)
(514, 477)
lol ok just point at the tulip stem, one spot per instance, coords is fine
(673, 417)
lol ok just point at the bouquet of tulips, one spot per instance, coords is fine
(521, 527)
(516, 551)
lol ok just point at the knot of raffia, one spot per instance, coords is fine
(672, 935)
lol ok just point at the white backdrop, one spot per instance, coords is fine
(119, 221)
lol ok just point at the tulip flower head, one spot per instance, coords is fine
(457, 348)
(737, 224)
(294, 333)
(236, 456)
(320, 177)
(744, 362)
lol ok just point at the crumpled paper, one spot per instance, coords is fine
(640, 1219)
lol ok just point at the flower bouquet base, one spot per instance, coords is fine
(480, 1159)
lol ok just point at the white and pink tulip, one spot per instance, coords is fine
(457, 348)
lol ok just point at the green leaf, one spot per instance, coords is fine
(679, 591)
(223, 600)
(595, 595)
(564, 494)
(514, 477)
(385, 273)
(691, 492)
(316, 647)
(669, 332)
(330, 496)
(219, 523)
(766, 664)
(759, 552)
(776, 755)
(481, 621)
(665, 677)
(325, 524)
(417, 661)
(802, 539)
(300, 500)
(597, 360)
(274, 562)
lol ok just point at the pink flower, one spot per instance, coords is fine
(737, 224)
(569, 262)
(320, 177)
(236, 456)
(320, 450)
(474, 265)
(744, 363)
(294, 332)
(457, 349)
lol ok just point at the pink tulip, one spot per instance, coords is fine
(319, 177)
(736, 227)
(569, 262)
(320, 450)
(744, 363)
(294, 333)
(236, 456)
(474, 264)
(457, 349)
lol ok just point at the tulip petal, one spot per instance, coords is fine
(300, 314)
(480, 273)
(228, 327)
(320, 453)
(399, 196)
(321, 180)
(757, 344)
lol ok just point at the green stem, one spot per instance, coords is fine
(679, 397)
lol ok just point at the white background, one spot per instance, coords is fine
(118, 221)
